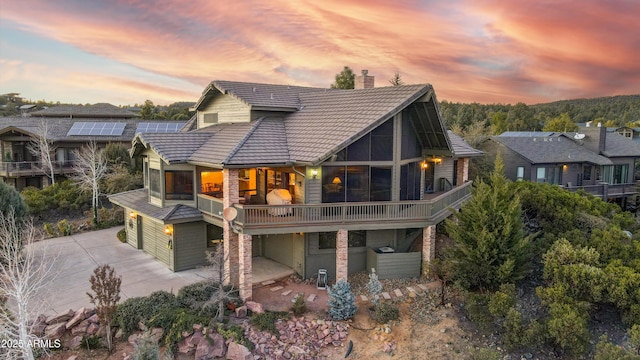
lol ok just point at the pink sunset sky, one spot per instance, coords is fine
(487, 51)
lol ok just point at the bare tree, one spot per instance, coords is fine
(42, 147)
(106, 287)
(24, 273)
(396, 80)
(89, 170)
(218, 278)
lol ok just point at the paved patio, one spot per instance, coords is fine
(141, 274)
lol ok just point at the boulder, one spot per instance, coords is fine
(156, 334)
(241, 312)
(195, 339)
(75, 342)
(94, 319)
(76, 319)
(236, 351)
(64, 317)
(93, 328)
(89, 313)
(219, 345)
(80, 328)
(254, 307)
(55, 331)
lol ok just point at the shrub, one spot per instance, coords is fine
(141, 309)
(568, 327)
(110, 217)
(608, 351)
(374, 287)
(63, 195)
(105, 297)
(299, 306)
(386, 312)
(120, 179)
(634, 337)
(175, 322)
(502, 301)
(193, 296)
(145, 348)
(10, 199)
(122, 235)
(267, 320)
(91, 342)
(236, 333)
(50, 229)
(64, 227)
(486, 354)
(342, 302)
(476, 309)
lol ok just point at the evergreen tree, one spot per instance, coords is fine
(346, 79)
(10, 200)
(490, 245)
(374, 287)
(342, 302)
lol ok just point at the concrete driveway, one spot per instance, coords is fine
(77, 257)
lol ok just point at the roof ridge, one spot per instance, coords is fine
(242, 141)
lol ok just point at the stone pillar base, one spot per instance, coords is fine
(245, 267)
(428, 248)
(342, 255)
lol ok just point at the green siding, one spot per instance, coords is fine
(155, 242)
(190, 245)
(279, 248)
(394, 265)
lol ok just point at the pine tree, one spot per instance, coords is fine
(490, 244)
(342, 302)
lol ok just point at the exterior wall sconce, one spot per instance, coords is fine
(564, 167)
(168, 230)
(314, 173)
(133, 214)
(437, 160)
(425, 165)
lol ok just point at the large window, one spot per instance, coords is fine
(374, 146)
(520, 173)
(356, 183)
(586, 172)
(411, 147)
(616, 174)
(410, 181)
(154, 182)
(178, 185)
(551, 175)
(327, 240)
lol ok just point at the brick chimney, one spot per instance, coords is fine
(364, 81)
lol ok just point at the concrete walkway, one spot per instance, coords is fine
(78, 255)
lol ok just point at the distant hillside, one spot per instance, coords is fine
(616, 110)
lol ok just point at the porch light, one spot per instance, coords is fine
(314, 173)
(168, 230)
(564, 167)
(336, 180)
(132, 214)
(425, 165)
(437, 160)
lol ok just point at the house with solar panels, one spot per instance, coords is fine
(318, 181)
(68, 128)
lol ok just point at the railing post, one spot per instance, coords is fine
(605, 191)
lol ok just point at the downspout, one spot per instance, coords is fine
(298, 172)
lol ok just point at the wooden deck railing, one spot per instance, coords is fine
(266, 216)
(33, 167)
(607, 191)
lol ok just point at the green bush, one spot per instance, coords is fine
(486, 354)
(122, 235)
(502, 301)
(194, 295)
(267, 320)
(174, 321)
(476, 309)
(10, 199)
(385, 312)
(567, 327)
(91, 342)
(110, 217)
(64, 227)
(50, 229)
(141, 309)
(145, 348)
(63, 195)
(608, 351)
(299, 306)
(236, 333)
(120, 179)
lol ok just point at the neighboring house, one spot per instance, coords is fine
(595, 160)
(311, 178)
(632, 133)
(69, 128)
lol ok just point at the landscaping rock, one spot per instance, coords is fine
(94, 319)
(73, 357)
(254, 307)
(194, 339)
(156, 334)
(219, 345)
(76, 319)
(93, 328)
(211, 349)
(81, 328)
(119, 334)
(55, 331)
(89, 313)
(61, 318)
(241, 312)
(236, 351)
(76, 342)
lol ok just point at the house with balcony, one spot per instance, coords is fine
(595, 160)
(311, 178)
(67, 128)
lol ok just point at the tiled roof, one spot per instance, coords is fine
(617, 145)
(101, 110)
(460, 147)
(264, 95)
(548, 150)
(138, 201)
(222, 143)
(171, 147)
(329, 121)
(265, 144)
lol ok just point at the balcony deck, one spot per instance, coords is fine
(273, 219)
(607, 191)
(33, 168)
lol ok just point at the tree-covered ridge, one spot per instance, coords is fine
(613, 111)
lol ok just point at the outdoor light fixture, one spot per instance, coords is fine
(336, 180)
(132, 214)
(437, 160)
(314, 173)
(564, 167)
(168, 230)
(425, 165)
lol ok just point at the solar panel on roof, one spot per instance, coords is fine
(80, 128)
(159, 127)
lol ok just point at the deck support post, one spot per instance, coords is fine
(462, 172)
(342, 255)
(428, 247)
(245, 266)
(230, 196)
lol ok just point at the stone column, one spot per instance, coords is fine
(462, 172)
(245, 266)
(342, 255)
(230, 197)
(428, 247)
